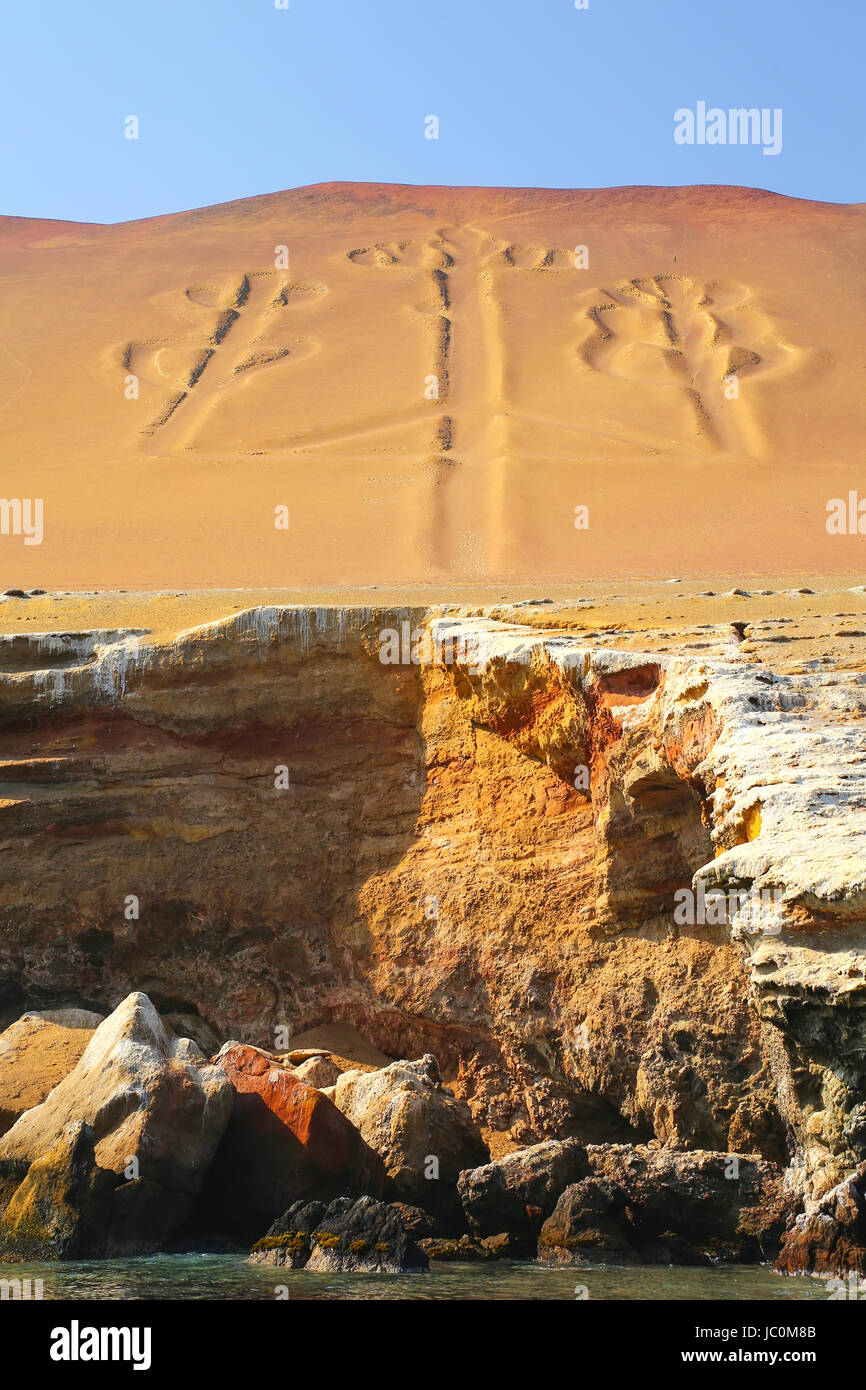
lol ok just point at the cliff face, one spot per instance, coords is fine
(504, 853)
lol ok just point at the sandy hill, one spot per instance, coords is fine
(431, 380)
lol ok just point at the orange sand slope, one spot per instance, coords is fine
(431, 380)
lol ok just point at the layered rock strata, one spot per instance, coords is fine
(499, 844)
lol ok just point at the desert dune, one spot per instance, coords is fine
(371, 384)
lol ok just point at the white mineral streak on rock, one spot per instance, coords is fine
(479, 642)
(49, 686)
(263, 625)
(792, 748)
(286, 622)
(805, 768)
(90, 663)
(113, 667)
(63, 645)
(96, 668)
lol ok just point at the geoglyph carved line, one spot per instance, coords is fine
(197, 375)
(670, 331)
(688, 338)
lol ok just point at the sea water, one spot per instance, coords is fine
(230, 1277)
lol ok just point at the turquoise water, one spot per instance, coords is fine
(219, 1277)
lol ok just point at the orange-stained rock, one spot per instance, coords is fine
(285, 1141)
(829, 1239)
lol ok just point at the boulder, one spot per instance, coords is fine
(36, 1052)
(586, 1226)
(470, 1250)
(437, 1242)
(455, 1250)
(288, 1242)
(504, 1246)
(658, 1206)
(363, 1235)
(417, 1223)
(516, 1193)
(285, 1142)
(424, 1135)
(319, 1071)
(61, 1210)
(830, 1238)
(156, 1110)
(345, 1237)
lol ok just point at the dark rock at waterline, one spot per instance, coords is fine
(448, 1250)
(586, 1224)
(657, 1206)
(468, 1249)
(830, 1238)
(288, 1242)
(420, 1224)
(518, 1192)
(349, 1235)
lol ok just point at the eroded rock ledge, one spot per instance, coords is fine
(309, 834)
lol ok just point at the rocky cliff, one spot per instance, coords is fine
(476, 838)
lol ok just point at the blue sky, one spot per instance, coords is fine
(235, 97)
